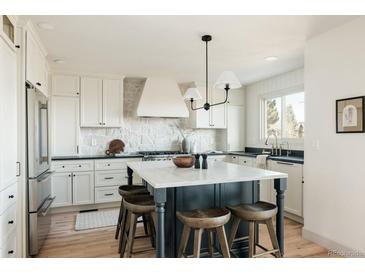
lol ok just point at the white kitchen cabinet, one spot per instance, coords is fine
(112, 102)
(91, 104)
(293, 202)
(65, 125)
(218, 114)
(62, 189)
(65, 85)
(235, 128)
(8, 115)
(83, 188)
(101, 102)
(36, 69)
(215, 117)
(247, 161)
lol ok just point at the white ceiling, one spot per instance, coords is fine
(171, 46)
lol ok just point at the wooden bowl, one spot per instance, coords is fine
(184, 161)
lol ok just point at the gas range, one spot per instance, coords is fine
(163, 155)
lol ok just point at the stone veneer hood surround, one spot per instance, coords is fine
(146, 133)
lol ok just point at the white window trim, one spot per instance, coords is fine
(262, 108)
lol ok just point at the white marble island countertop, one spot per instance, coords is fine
(164, 174)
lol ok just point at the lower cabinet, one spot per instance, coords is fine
(293, 202)
(62, 189)
(85, 182)
(83, 188)
(73, 188)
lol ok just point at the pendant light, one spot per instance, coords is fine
(227, 80)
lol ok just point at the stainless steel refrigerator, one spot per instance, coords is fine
(39, 175)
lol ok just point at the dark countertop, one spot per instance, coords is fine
(287, 159)
(96, 157)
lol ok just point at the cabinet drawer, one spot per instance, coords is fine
(7, 197)
(110, 178)
(8, 249)
(71, 166)
(114, 164)
(107, 194)
(7, 223)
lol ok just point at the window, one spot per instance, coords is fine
(284, 115)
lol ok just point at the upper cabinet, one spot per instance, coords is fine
(215, 117)
(7, 29)
(65, 85)
(112, 102)
(36, 64)
(101, 102)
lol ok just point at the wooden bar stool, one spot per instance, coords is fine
(258, 213)
(135, 206)
(212, 220)
(123, 191)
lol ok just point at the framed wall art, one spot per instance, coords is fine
(350, 115)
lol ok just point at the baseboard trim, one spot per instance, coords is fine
(83, 207)
(332, 246)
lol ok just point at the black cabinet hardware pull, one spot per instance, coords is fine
(108, 178)
(79, 165)
(108, 194)
(10, 222)
(11, 196)
(108, 165)
(38, 84)
(11, 252)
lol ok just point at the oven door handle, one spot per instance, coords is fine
(50, 202)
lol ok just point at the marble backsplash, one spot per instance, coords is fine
(146, 133)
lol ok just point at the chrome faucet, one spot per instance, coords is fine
(274, 148)
(288, 152)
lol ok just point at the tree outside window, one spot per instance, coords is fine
(285, 116)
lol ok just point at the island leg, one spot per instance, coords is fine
(160, 200)
(280, 186)
(130, 175)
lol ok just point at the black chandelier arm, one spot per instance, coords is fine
(225, 100)
(191, 105)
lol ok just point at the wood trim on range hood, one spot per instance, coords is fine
(161, 97)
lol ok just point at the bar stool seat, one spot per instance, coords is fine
(212, 220)
(135, 206)
(254, 212)
(131, 189)
(257, 213)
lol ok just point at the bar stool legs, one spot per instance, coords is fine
(254, 214)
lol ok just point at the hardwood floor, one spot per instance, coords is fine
(65, 242)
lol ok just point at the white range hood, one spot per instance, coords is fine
(161, 97)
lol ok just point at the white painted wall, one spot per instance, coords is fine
(254, 92)
(334, 170)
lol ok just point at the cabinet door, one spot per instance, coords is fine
(62, 189)
(32, 59)
(294, 193)
(65, 122)
(112, 103)
(65, 85)
(8, 115)
(83, 188)
(91, 102)
(235, 128)
(218, 115)
(246, 161)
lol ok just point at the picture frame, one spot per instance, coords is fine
(350, 115)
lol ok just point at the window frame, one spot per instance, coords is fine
(263, 121)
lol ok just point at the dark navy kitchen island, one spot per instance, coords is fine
(178, 189)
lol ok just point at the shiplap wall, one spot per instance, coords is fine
(254, 93)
